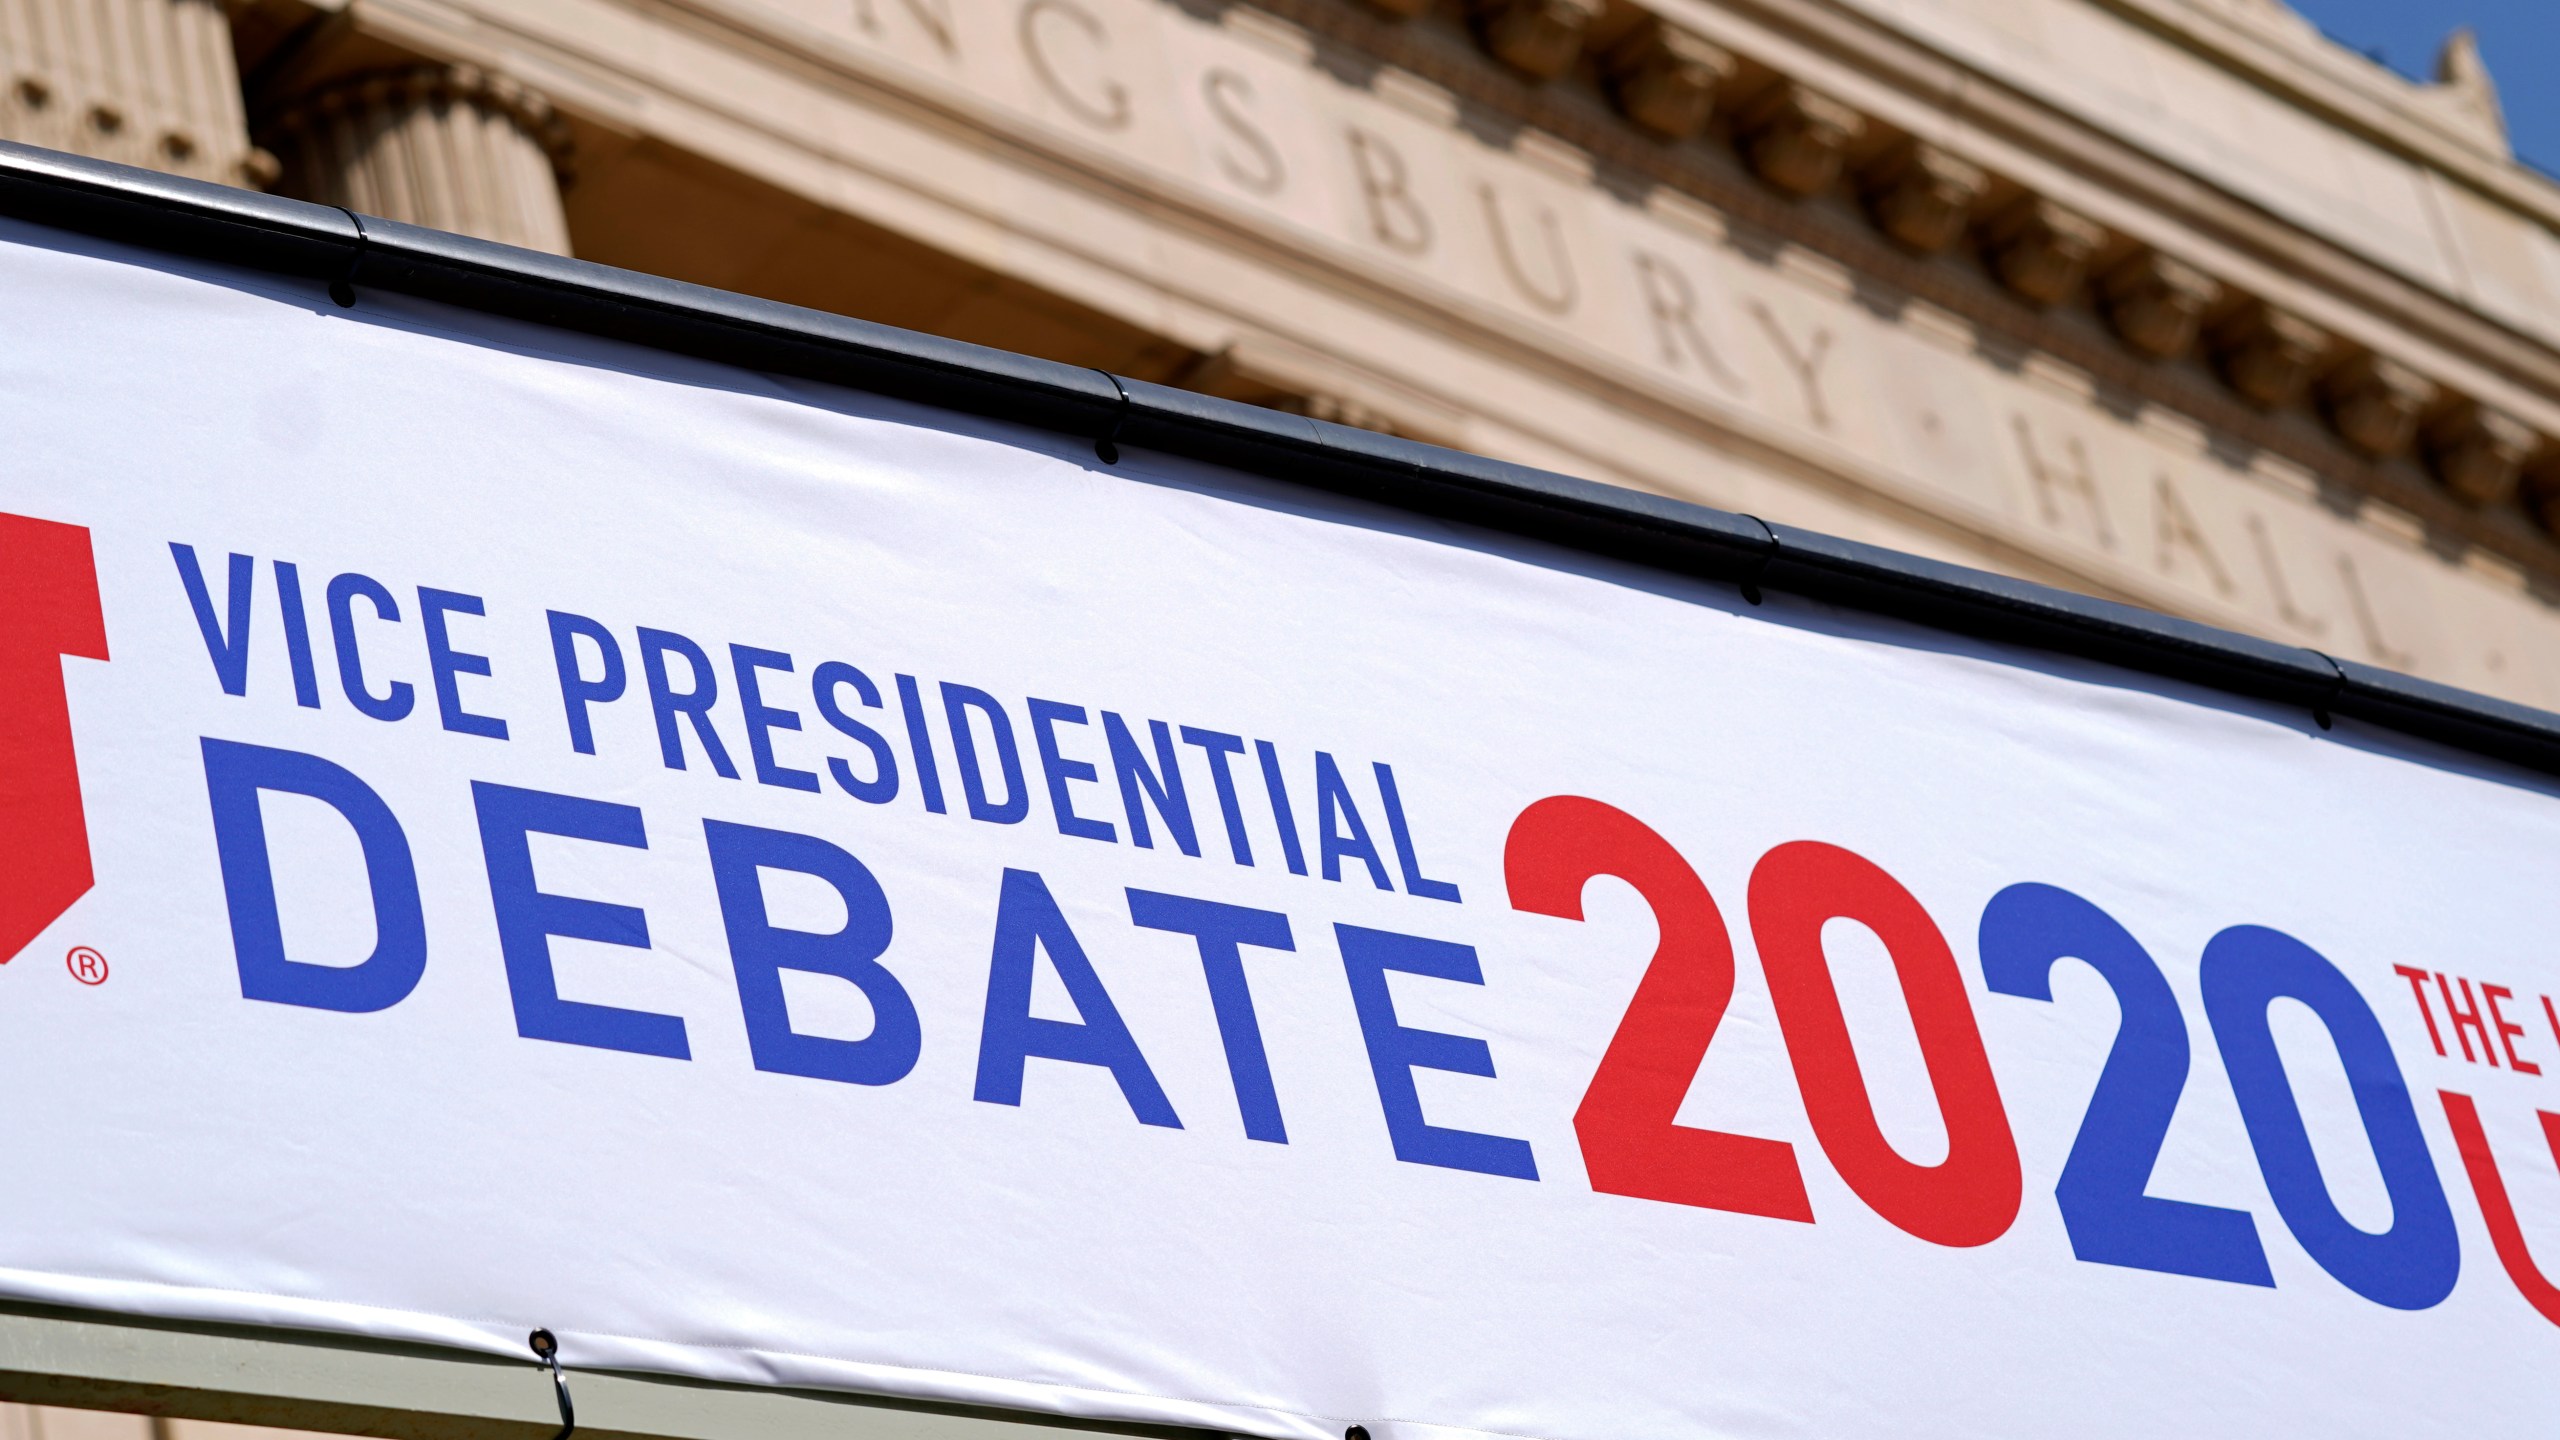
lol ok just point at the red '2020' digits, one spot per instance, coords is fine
(1630, 1145)
(1630, 1142)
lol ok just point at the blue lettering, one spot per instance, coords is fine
(400, 699)
(528, 918)
(1222, 748)
(297, 636)
(577, 692)
(1290, 850)
(227, 647)
(759, 951)
(235, 775)
(957, 702)
(920, 743)
(1221, 931)
(1046, 715)
(763, 719)
(882, 787)
(1027, 921)
(1396, 1051)
(1140, 783)
(1334, 809)
(444, 662)
(694, 703)
(1402, 834)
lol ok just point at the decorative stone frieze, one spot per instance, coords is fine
(2041, 250)
(2267, 355)
(452, 146)
(140, 82)
(1667, 82)
(1665, 78)
(2477, 452)
(1796, 137)
(2374, 403)
(2155, 303)
(1922, 196)
(1538, 38)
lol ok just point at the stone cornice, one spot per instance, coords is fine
(2146, 207)
(2244, 256)
(2349, 91)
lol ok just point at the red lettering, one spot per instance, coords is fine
(2417, 979)
(2507, 1029)
(48, 609)
(2496, 1210)
(2465, 1020)
(1629, 1144)
(1969, 1198)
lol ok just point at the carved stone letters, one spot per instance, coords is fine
(1099, 100)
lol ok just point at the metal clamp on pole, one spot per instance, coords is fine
(2328, 704)
(546, 1348)
(343, 288)
(1750, 584)
(1107, 449)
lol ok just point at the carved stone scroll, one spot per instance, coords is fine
(1665, 79)
(1796, 138)
(2267, 355)
(451, 146)
(2041, 250)
(2477, 452)
(1922, 196)
(1539, 38)
(2155, 303)
(2374, 403)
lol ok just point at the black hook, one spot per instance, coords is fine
(1108, 447)
(546, 1348)
(1751, 583)
(343, 289)
(2337, 687)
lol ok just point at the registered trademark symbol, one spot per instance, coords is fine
(86, 965)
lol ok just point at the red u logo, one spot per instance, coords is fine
(48, 609)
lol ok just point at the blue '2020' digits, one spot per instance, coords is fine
(2106, 1209)
(2409, 1266)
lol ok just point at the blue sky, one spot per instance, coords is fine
(2519, 38)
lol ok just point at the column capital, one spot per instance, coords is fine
(430, 83)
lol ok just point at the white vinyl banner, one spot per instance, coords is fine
(504, 830)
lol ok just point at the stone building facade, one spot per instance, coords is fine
(2170, 301)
